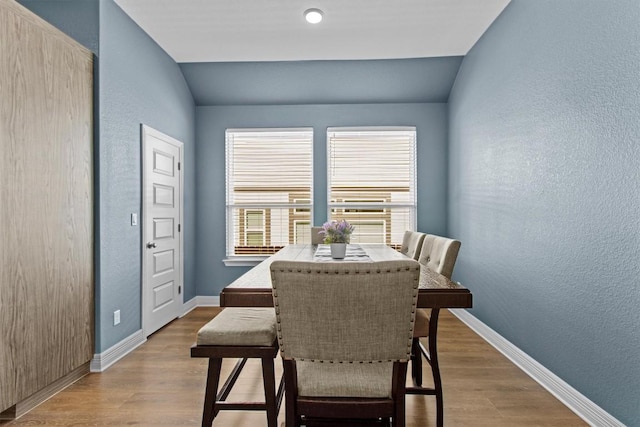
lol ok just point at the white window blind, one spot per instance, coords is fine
(372, 181)
(269, 189)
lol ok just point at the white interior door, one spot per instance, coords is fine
(162, 235)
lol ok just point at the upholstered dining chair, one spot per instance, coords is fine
(316, 239)
(412, 244)
(345, 332)
(438, 254)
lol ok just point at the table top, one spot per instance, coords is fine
(253, 289)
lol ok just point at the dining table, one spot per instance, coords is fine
(253, 288)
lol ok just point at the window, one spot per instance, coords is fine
(254, 231)
(269, 189)
(372, 181)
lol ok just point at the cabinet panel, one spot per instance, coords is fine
(46, 204)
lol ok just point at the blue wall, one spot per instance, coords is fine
(139, 83)
(322, 82)
(211, 122)
(544, 189)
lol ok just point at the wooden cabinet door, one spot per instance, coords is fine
(46, 204)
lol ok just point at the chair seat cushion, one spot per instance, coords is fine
(240, 327)
(421, 327)
(326, 379)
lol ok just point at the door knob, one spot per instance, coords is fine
(151, 245)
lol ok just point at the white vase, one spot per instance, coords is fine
(338, 250)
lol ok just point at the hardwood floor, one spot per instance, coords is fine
(159, 384)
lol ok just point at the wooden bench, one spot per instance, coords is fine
(241, 333)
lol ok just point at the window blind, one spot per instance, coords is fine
(372, 181)
(269, 175)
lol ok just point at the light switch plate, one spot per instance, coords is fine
(116, 317)
(134, 219)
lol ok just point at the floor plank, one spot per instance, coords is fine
(159, 384)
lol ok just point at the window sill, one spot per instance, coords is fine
(243, 261)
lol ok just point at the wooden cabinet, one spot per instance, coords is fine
(46, 205)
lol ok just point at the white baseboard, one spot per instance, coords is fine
(208, 301)
(188, 306)
(102, 361)
(569, 396)
(201, 301)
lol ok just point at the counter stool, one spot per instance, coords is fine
(438, 254)
(239, 333)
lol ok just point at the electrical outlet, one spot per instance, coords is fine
(134, 219)
(116, 317)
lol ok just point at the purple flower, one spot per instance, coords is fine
(337, 231)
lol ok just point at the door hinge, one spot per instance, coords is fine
(179, 290)
(179, 228)
(178, 165)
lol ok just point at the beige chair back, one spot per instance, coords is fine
(439, 254)
(347, 311)
(316, 239)
(412, 244)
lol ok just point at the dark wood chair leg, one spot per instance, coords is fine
(431, 356)
(398, 393)
(399, 416)
(269, 380)
(416, 362)
(435, 368)
(290, 387)
(211, 390)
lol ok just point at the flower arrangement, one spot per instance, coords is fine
(337, 231)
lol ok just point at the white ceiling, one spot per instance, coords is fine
(275, 30)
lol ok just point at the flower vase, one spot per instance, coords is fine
(338, 250)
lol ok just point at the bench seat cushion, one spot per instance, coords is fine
(240, 327)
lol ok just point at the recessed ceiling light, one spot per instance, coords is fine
(313, 16)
